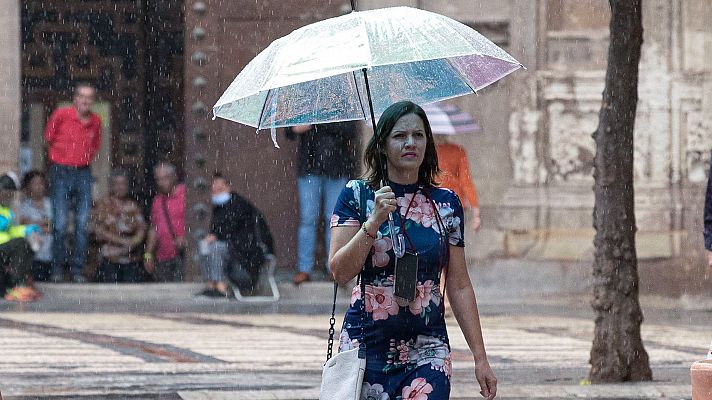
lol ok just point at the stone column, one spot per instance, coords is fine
(10, 85)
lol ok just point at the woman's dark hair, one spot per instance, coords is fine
(376, 161)
(30, 175)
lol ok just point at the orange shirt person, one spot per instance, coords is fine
(455, 175)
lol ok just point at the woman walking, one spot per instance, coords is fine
(406, 341)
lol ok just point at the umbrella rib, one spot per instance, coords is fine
(462, 76)
(358, 93)
(262, 113)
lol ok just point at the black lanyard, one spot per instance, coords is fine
(402, 223)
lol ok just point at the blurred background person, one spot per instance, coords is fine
(73, 135)
(120, 230)
(235, 246)
(16, 246)
(455, 175)
(327, 158)
(165, 245)
(36, 208)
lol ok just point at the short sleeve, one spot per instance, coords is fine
(346, 210)
(452, 216)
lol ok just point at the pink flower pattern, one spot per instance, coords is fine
(447, 366)
(418, 389)
(403, 352)
(380, 302)
(381, 246)
(423, 296)
(355, 294)
(421, 210)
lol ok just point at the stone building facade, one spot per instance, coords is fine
(532, 161)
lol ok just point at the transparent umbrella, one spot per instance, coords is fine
(356, 65)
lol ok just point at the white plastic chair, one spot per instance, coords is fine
(266, 274)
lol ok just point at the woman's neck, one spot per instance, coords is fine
(402, 177)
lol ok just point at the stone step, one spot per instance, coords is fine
(316, 292)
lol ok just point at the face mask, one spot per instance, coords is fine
(220, 199)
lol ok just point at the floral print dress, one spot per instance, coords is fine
(407, 348)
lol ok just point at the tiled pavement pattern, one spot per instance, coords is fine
(203, 356)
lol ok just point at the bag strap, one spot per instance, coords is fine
(164, 206)
(362, 283)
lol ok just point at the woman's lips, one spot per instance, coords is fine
(409, 155)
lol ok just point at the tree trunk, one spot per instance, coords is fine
(617, 353)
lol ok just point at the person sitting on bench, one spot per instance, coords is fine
(236, 245)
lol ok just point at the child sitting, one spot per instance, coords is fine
(16, 252)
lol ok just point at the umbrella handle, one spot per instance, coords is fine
(397, 240)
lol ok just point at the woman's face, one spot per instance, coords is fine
(120, 186)
(406, 144)
(37, 187)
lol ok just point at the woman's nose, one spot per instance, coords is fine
(409, 140)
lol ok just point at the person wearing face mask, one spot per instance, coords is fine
(237, 243)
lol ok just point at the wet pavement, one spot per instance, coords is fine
(161, 342)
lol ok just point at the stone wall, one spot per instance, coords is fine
(220, 41)
(10, 85)
(546, 212)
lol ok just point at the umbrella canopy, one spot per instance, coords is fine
(313, 75)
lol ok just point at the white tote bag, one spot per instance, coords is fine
(342, 376)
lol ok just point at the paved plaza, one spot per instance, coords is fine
(103, 342)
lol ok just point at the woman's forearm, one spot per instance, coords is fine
(347, 260)
(464, 307)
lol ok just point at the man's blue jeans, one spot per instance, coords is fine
(70, 189)
(311, 189)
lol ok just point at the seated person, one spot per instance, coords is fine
(35, 208)
(120, 229)
(237, 243)
(16, 251)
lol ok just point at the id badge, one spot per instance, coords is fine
(406, 276)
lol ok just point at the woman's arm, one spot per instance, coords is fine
(348, 251)
(139, 232)
(464, 307)
(350, 245)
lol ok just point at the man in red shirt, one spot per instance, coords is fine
(73, 135)
(166, 237)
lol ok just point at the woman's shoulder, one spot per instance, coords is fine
(445, 195)
(356, 185)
